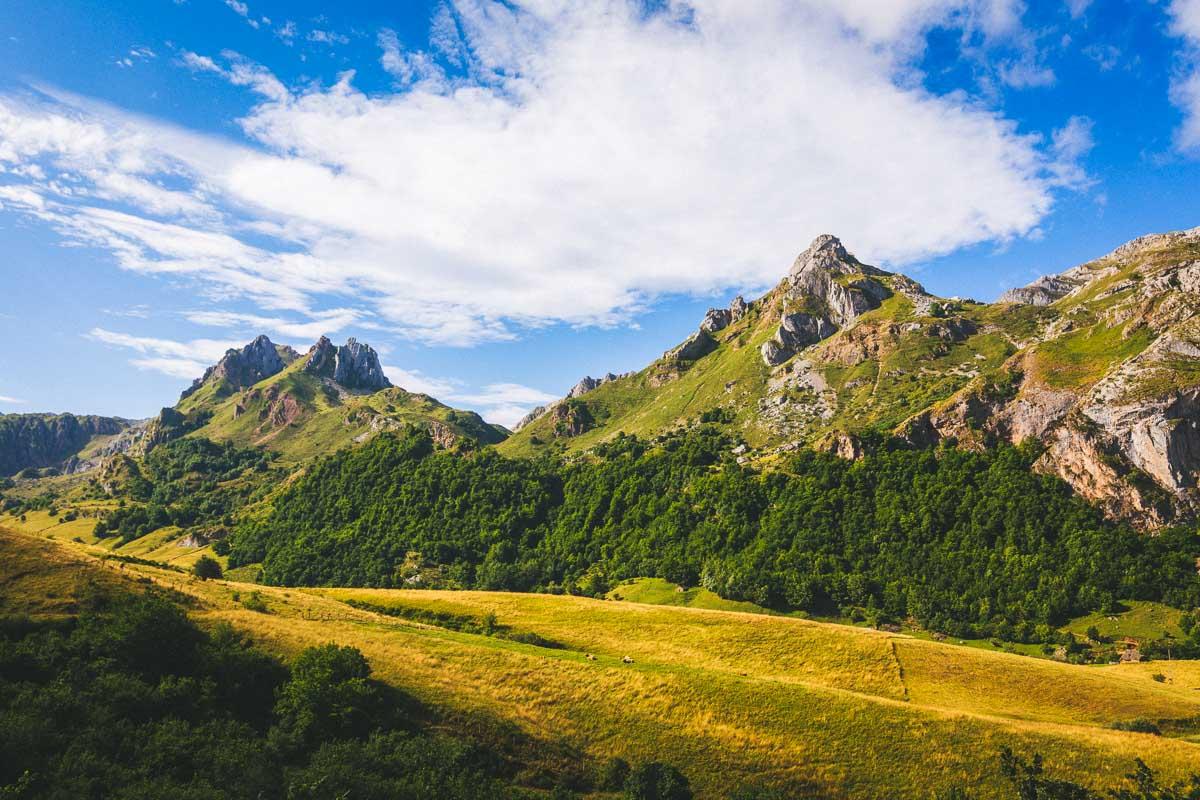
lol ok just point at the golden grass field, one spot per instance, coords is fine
(730, 698)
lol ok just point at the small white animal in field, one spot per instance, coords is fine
(626, 660)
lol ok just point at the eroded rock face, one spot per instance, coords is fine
(49, 440)
(1042, 292)
(588, 383)
(353, 365)
(239, 369)
(826, 289)
(696, 346)
(1130, 440)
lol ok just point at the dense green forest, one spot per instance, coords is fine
(188, 482)
(970, 543)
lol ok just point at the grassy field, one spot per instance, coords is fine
(731, 698)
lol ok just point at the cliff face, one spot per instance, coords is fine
(238, 369)
(353, 365)
(1110, 384)
(49, 440)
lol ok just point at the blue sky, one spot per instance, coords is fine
(504, 197)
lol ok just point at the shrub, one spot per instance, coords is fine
(657, 781)
(207, 567)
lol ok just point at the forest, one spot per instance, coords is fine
(968, 543)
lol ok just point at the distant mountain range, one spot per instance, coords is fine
(1100, 364)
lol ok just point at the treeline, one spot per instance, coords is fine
(187, 482)
(969, 543)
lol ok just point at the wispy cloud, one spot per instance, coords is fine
(323, 323)
(178, 359)
(12, 401)
(501, 403)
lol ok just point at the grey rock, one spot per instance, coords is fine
(49, 440)
(530, 417)
(1042, 292)
(817, 283)
(716, 319)
(796, 332)
(353, 365)
(698, 345)
(239, 369)
(738, 308)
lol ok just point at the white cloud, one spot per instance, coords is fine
(327, 37)
(242, 10)
(177, 359)
(1077, 8)
(500, 403)
(324, 323)
(418, 382)
(1185, 88)
(12, 401)
(587, 159)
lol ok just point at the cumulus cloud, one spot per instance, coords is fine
(547, 162)
(1185, 88)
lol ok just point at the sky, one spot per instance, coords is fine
(503, 197)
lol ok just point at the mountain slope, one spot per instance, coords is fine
(1101, 364)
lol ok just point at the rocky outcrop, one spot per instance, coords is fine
(1042, 292)
(536, 413)
(585, 385)
(588, 383)
(239, 369)
(49, 440)
(353, 366)
(571, 418)
(718, 319)
(826, 290)
(696, 346)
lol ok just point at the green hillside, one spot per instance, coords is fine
(560, 686)
(301, 416)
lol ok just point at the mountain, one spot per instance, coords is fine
(65, 442)
(1101, 364)
(266, 395)
(238, 369)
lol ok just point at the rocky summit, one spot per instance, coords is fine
(246, 366)
(353, 365)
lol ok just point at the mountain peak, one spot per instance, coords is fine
(828, 255)
(354, 365)
(243, 367)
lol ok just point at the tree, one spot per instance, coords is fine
(657, 781)
(328, 697)
(207, 567)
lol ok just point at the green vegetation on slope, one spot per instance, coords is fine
(973, 544)
(795, 708)
(100, 708)
(300, 416)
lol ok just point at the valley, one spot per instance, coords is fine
(732, 699)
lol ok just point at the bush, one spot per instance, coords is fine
(207, 568)
(1138, 725)
(657, 781)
